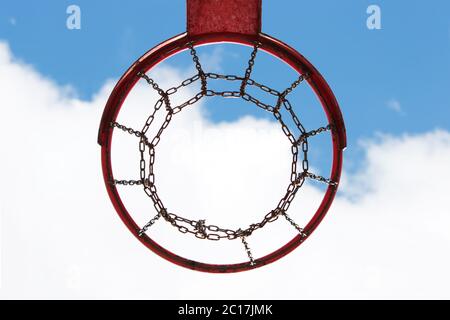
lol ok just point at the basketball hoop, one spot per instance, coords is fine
(209, 22)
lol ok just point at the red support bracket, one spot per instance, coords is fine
(223, 16)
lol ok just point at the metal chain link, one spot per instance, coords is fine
(321, 179)
(199, 228)
(287, 105)
(313, 133)
(251, 63)
(126, 129)
(149, 224)
(185, 83)
(249, 81)
(247, 249)
(127, 182)
(198, 66)
(295, 84)
(155, 86)
(295, 225)
(190, 102)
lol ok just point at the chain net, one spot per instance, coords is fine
(147, 147)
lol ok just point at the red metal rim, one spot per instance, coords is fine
(175, 45)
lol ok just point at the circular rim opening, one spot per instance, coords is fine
(178, 44)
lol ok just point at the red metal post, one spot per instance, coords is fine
(218, 16)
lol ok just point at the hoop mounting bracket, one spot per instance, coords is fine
(218, 16)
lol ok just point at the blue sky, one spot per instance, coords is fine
(405, 65)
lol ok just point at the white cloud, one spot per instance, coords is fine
(62, 239)
(395, 105)
(213, 61)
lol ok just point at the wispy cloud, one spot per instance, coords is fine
(13, 21)
(213, 61)
(395, 105)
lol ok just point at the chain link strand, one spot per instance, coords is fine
(248, 251)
